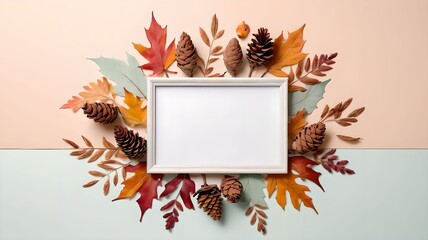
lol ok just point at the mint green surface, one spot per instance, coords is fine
(306, 100)
(125, 75)
(41, 198)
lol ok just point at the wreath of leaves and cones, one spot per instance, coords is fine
(279, 57)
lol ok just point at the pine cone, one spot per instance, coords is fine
(186, 54)
(209, 198)
(231, 188)
(131, 143)
(232, 56)
(104, 113)
(260, 50)
(309, 138)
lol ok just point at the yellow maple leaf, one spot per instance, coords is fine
(296, 124)
(287, 52)
(134, 114)
(133, 184)
(284, 183)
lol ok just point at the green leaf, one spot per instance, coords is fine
(125, 75)
(308, 99)
(252, 189)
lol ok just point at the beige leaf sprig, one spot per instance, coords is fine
(204, 66)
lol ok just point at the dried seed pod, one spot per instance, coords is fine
(232, 56)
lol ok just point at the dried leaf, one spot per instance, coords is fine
(286, 52)
(307, 64)
(212, 60)
(96, 155)
(284, 183)
(106, 187)
(348, 138)
(295, 88)
(209, 70)
(214, 25)
(249, 211)
(112, 161)
(97, 174)
(253, 219)
(71, 143)
(261, 213)
(346, 104)
(309, 81)
(307, 100)
(90, 184)
(291, 75)
(78, 152)
(87, 142)
(133, 115)
(108, 144)
(168, 205)
(343, 123)
(301, 165)
(216, 49)
(315, 63)
(106, 167)
(115, 178)
(158, 57)
(296, 124)
(299, 69)
(356, 112)
(261, 207)
(219, 34)
(351, 120)
(120, 154)
(325, 111)
(204, 36)
(110, 154)
(86, 154)
(186, 190)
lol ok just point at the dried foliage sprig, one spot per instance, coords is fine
(204, 66)
(258, 216)
(330, 161)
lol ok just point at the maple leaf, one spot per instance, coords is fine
(284, 183)
(142, 182)
(300, 165)
(296, 124)
(101, 90)
(159, 58)
(134, 114)
(287, 52)
(186, 190)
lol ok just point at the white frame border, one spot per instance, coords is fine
(282, 85)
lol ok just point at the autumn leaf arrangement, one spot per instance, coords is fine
(119, 98)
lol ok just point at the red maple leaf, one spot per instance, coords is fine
(159, 58)
(300, 165)
(148, 192)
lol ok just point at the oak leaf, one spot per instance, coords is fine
(134, 114)
(159, 58)
(287, 52)
(296, 124)
(101, 90)
(300, 165)
(143, 183)
(284, 183)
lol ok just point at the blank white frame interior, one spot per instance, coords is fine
(217, 125)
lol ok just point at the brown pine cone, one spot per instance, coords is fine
(231, 188)
(186, 54)
(104, 113)
(260, 50)
(232, 56)
(209, 199)
(309, 138)
(131, 143)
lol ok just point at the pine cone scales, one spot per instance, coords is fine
(260, 50)
(131, 143)
(309, 138)
(104, 113)
(232, 56)
(186, 54)
(231, 188)
(209, 199)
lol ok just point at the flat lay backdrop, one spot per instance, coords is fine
(382, 49)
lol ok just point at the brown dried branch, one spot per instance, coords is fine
(258, 215)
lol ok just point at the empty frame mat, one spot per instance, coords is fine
(217, 127)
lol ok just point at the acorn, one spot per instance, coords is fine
(242, 30)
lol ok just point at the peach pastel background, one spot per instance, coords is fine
(382, 45)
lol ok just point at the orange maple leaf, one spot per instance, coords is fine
(287, 52)
(102, 90)
(134, 114)
(284, 183)
(296, 124)
(133, 183)
(159, 58)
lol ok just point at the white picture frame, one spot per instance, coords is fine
(217, 125)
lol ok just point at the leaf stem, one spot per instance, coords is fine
(251, 71)
(204, 178)
(267, 70)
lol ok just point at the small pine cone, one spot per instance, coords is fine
(104, 113)
(209, 199)
(232, 56)
(131, 143)
(260, 50)
(186, 54)
(309, 138)
(231, 188)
